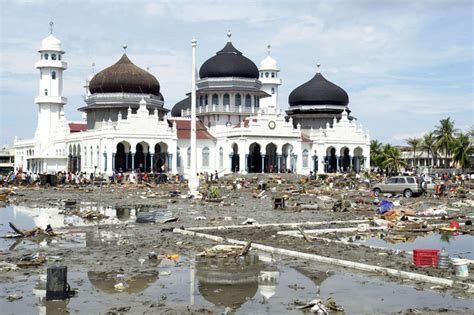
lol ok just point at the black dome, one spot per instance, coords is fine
(318, 91)
(229, 62)
(126, 77)
(183, 104)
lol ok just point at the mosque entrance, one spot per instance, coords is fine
(286, 158)
(121, 157)
(142, 157)
(160, 159)
(331, 160)
(234, 158)
(254, 160)
(345, 160)
(271, 164)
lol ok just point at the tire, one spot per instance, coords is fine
(377, 191)
(408, 193)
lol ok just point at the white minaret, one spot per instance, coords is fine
(50, 100)
(270, 82)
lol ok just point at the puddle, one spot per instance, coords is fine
(28, 217)
(456, 245)
(258, 285)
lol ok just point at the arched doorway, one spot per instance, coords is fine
(254, 160)
(234, 158)
(345, 160)
(160, 163)
(121, 160)
(270, 158)
(142, 157)
(331, 160)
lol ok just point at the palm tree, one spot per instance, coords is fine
(444, 136)
(428, 145)
(375, 152)
(462, 150)
(392, 159)
(414, 143)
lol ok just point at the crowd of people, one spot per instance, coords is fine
(82, 178)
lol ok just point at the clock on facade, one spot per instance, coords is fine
(271, 124)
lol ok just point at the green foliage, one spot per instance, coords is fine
(214, 192)
(444, 136)
(461, 150)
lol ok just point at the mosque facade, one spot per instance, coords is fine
(240, 128)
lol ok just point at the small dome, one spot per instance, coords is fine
(229, 62)
(124, 77)
(269, 64)
(51, 43)
(183, 104)
(318, 91)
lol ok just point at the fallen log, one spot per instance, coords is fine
(14, 228)
(246, 249)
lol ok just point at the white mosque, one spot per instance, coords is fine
(240, 128)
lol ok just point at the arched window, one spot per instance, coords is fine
(273, 74)
(53, 75)
(205, 157)
(273, 90)
(92, 157)
(226, 99)
(189, 157)
(248, 100)
(201, 100)
(238, 100)
(206, 100)
(46, 92)
(305, 158)
(221, 157)
(59, 57)
(266, 74)
(46, 56)
(215, 99)
(53, 56)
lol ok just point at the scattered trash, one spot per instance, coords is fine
(249, 221)
(14, 297)
(200, 218)
(385, 206)
(156, 217)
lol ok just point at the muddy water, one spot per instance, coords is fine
(258, 285)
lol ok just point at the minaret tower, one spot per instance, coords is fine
(50, 100)
(270, 82)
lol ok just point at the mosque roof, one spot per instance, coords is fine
(318, 91)
(229, 62)
(124, 77)
(77, 127)
(183, 104)
(183, 127)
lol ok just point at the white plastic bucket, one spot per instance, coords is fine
(461, 267)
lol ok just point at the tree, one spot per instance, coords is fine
(414, 143)
(462, 150)
(375, 153)
(392, 159)
(428, 145)
(444, 135)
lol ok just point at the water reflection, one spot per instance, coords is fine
(135, 283)
(48, 307)
(231, 283)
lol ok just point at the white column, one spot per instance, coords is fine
(193, 181)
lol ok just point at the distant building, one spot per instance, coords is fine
(240, 128)
(7, 160)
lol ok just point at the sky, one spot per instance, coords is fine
(405, 64)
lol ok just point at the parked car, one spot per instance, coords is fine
(406, 185)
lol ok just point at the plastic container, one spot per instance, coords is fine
(461, 267)
(425, 257)
(443, 260)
